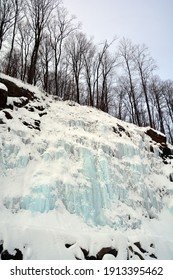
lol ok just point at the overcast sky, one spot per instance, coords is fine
(143, 21)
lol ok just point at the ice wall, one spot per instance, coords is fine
(83, 166)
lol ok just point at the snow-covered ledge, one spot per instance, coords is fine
(2, 86)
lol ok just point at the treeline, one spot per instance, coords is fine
(40, 43)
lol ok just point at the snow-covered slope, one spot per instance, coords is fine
(77, 183)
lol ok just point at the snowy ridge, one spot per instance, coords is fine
(77, 183)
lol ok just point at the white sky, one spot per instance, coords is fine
(143, 21)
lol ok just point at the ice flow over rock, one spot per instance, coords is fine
(82, 163)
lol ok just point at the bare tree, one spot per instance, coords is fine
(60, 27)
(45, 55)
(6, 18)
(108, 65)
(98, 73)
(76, 48)
(98, 69)
(120, 111)
(145, 66)
(126, 51)
(38, 14)
(89, 60)
(123, 84)
(168, 97)
(24, 39)
(17, 7)
(156, 91)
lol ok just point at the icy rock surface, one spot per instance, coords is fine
(79, 163)
(82, 162)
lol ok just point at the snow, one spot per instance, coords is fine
(78, 182)
(2, 86)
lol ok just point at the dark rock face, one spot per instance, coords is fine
(171, 177)
(137, 249)
(87, 256)
(21, 102)
(68, 245)
(3, 98)
(15, 91)
(22, 97)
(134, 249)
(158, 138)
(138, 244)
(6, 256)
(36, 124)
(107, 250)
(99, 255)
(119, 130)
(1, 248)
(22, 94)
(165, 151)
(7, 115)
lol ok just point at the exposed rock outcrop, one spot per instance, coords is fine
(107, 250)
(155, 136)
(160, 139)
(3, 98)
(16, 91)
(5, 255)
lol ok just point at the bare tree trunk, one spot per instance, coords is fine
(126, 50)
(16, 7)
(6, 18)
(32, 68)
(40, 12)
(144, 86)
